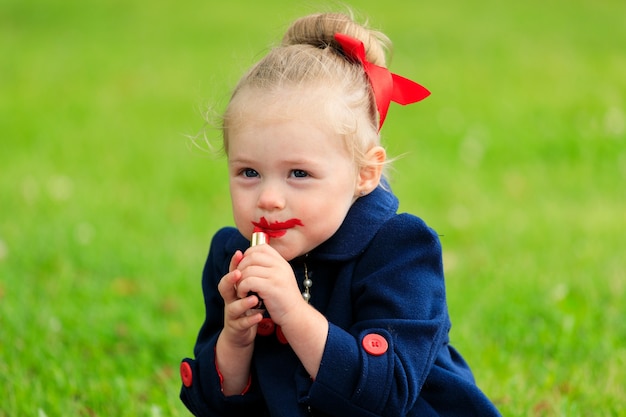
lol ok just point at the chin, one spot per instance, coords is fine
(287, 252)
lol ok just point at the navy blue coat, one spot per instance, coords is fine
(381, 274)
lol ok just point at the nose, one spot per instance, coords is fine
(271, 197)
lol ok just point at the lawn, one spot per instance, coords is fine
(518, 160)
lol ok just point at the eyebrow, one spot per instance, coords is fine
(289, 162)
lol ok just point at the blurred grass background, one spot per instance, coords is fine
(518, 160)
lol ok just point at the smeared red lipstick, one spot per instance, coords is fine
(276, 229)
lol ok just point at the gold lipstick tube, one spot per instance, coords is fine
(258, 238)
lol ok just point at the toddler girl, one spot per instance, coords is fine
(342, 311)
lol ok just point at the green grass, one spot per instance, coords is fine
(518, 160)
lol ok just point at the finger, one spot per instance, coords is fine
(226, 286)
(245, 323)
(239, 309)
(248, 285)
(235, 260)
(263, 255)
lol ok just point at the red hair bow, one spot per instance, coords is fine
(387, 87)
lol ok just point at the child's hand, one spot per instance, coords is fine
(239, 328)
(265, 272)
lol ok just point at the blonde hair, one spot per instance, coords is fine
(310, 64)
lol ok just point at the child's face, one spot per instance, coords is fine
(290, 171)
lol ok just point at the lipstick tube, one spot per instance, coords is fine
(258, 238)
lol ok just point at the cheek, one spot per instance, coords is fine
(328, 213)
(241, 211)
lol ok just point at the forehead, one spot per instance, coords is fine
(276, 139)
(307, 114)
(319, 105)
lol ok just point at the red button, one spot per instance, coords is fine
(186, 374)
(375, 344)
(281, 336)
(265, 327)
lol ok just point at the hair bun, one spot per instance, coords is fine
(318, 30)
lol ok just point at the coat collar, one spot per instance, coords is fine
(363, 221)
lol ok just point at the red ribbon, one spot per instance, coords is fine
(387, 86)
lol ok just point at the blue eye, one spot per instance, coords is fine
(249, 173)
(298, 173)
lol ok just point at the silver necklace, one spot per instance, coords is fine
(307, 283)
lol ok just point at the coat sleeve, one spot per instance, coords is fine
(398, 302)
(201, 390)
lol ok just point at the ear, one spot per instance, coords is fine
(371, 172)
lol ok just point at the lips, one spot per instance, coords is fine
(275, 229)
